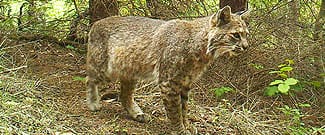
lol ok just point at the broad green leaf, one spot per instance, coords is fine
(271, 91)
(283, 88)
(275, 72)
(286, 69)
(283, 75)
(291, 81)
(222, 90)
(218, 93)
(275, 82)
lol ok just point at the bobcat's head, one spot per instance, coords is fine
(228, 32)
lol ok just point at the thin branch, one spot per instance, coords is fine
(12, 69)
(76, 7)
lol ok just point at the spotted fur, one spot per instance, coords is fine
(172, 53)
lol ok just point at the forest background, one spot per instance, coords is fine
(276, 87)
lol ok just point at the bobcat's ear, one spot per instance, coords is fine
(221, 18)
(213, 20)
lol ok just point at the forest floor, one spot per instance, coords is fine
(56, 103)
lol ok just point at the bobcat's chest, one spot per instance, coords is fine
(193, 71)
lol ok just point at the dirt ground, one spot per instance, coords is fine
(60, 71)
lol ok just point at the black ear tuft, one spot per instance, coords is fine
(245, 15)
(240, 12)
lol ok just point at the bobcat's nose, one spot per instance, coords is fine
(244, 45)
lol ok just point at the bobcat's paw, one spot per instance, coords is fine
(143, 118)
(94, 106)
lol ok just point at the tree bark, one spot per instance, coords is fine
(100, 9)
(294, 6)
(161, 10)
(152, 5)
(320, 22)
(236, 5)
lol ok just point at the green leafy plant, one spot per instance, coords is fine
(70, 47)
(292, 113)
(257, 66)
(284, 84)
(280, 86)
(316, 84)
(284, 69)
(222, 90)
(294, 123)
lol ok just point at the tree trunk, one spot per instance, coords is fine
(320, 22)
(100, 9)
(236, 5)
(163, 10)
(294, 7)
(153, 5)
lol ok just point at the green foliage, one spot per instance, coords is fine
(294, 123)
(221, 91)
(280, 86)
(292, 113)
(257, 66)
(284, 84)
(284, 69)
(70, 47)
(39, 17)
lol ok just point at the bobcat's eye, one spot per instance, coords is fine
(236, 35)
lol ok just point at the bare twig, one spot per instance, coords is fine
(3, 41)
(12, 69)
(76, 7)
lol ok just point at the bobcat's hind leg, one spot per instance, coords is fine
(127, 99)
(93, 94)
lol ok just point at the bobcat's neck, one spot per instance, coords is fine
(200, 34)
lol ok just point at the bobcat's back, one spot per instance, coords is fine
(119, 43)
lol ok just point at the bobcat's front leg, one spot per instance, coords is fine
(127, 99)
(184, 100)
(171, 94)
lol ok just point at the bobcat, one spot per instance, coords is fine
(172, 53)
